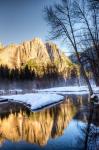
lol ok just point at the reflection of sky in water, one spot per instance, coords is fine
(70, 137)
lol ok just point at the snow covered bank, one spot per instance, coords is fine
(35, 100)
(45, 97)
(70, 90)
(11, 91)
(60, 90)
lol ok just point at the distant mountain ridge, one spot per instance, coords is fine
(35, 53)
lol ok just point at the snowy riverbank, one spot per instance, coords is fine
(76, 90)
(35, 100)
(60, 90)
(44, 97)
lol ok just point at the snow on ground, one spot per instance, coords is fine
(60, 90)
(11, 91)
(44, 97)
(36, 100)
(70, 90)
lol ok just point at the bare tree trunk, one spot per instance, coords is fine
(77, 54)
(84, 73)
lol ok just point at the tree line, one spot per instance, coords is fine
(27, 73)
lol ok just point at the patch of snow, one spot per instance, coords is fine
(70, 93)
(15, 91)
(70, 90)
(60, 90)
(2, 92)
(35, 100)
(92, 96)
(11, 91)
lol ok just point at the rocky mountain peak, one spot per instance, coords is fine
(36, 53)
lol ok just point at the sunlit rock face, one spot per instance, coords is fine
(38, 127)
(16, 55)
(8, 55)
(35, 54)
(57, 57)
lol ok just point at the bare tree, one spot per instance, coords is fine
(88, 16)
(61, 19)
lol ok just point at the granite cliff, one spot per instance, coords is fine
(37, 55)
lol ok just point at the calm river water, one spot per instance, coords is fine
(61, 127)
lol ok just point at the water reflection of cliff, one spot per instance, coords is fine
(37, 127)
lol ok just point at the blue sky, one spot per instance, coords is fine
(22, 20)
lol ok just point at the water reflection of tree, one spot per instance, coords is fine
(91, 129)
(92, 135)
